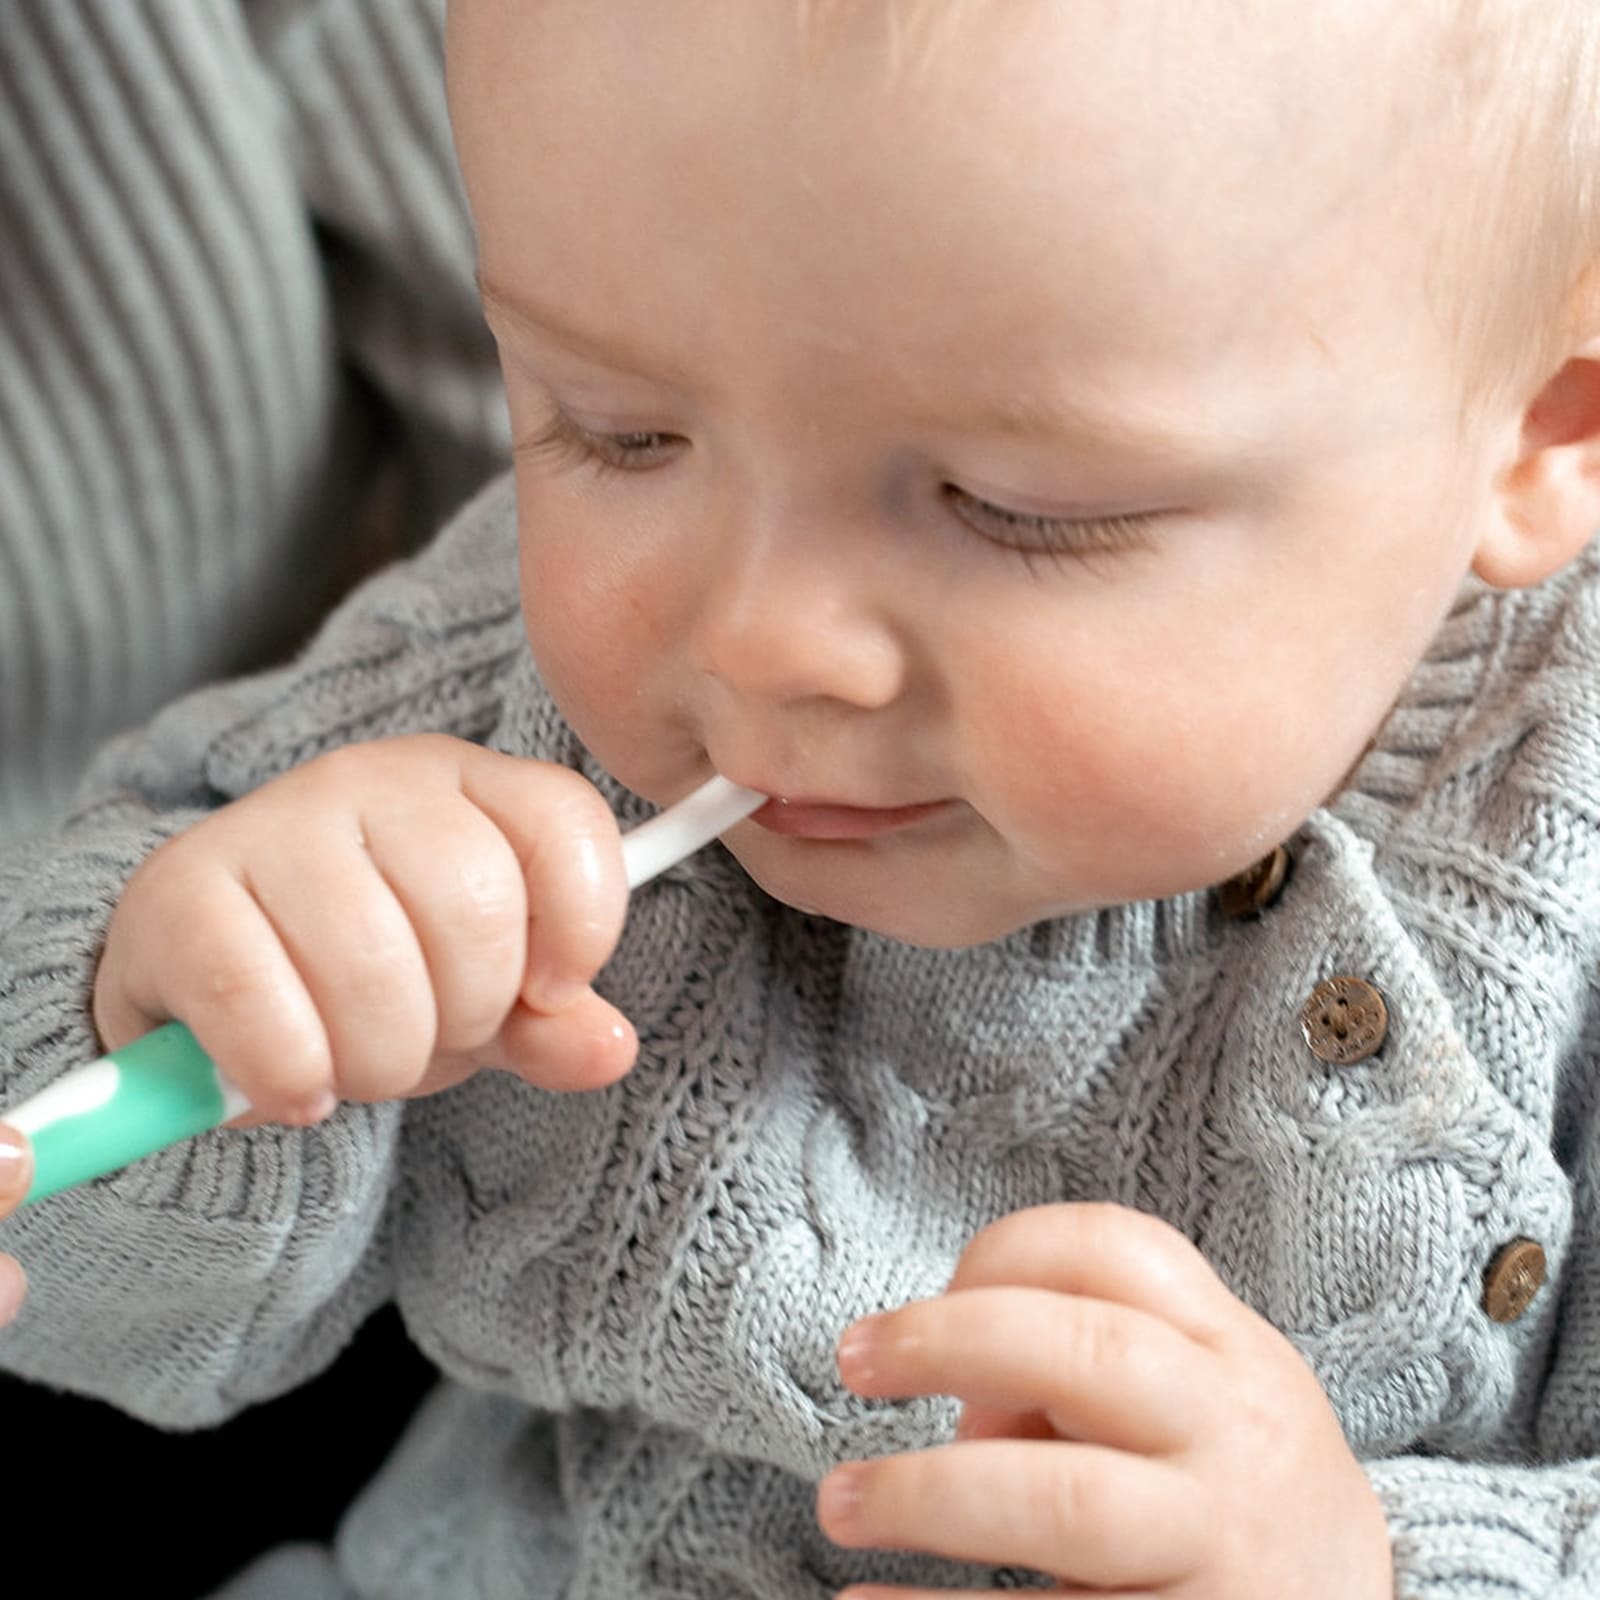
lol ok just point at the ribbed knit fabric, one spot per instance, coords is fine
(237, 330)
(636, 1294)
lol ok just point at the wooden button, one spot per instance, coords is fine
(1344, 1020)
(1253, 890)
(1513, 1278)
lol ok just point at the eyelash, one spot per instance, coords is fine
(566, 444)
(1053, 537)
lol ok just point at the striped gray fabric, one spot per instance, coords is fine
(241, 358)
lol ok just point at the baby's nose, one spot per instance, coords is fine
(781, 625)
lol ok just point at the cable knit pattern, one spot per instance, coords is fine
(241, 355)
(635, 1294)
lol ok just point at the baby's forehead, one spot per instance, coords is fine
(1225, 83)
(1222, 147)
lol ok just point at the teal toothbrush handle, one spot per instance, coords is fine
(154, 1092)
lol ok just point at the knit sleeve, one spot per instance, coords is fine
(236, 1265)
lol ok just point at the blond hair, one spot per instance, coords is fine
(1519, 202)
(1513, 97)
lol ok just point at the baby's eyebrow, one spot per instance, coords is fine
(1038, 414)
(539, 321)
(1050, 417)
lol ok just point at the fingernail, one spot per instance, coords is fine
(549, 992)
(839, 1497)
(16, 1164)
(856, 1348)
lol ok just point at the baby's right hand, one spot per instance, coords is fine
(380, 923)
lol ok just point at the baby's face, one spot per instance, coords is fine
(1055, 437)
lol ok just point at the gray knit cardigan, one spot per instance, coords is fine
(635, 1294)
(241, 355)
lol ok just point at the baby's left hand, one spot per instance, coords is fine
(1130, 1427)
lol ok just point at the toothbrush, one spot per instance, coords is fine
(163, 1088)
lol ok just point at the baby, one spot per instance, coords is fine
(1122, 1115)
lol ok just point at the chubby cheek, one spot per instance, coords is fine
(1144, 770)
(594, 637)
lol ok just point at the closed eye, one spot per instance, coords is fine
(1030, 534)
(564, 442)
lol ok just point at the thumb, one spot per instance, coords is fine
(587, 1046)
(570, 852)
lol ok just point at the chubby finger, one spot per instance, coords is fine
(460, 885)
(356, 952)
(1096, 1370)
(223, 970)
(1079, 1512)
(1105, 1252)
(570, 851)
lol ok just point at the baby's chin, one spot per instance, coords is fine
(957, 903)
(894, 900)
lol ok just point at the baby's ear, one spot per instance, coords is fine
(1550, 497)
